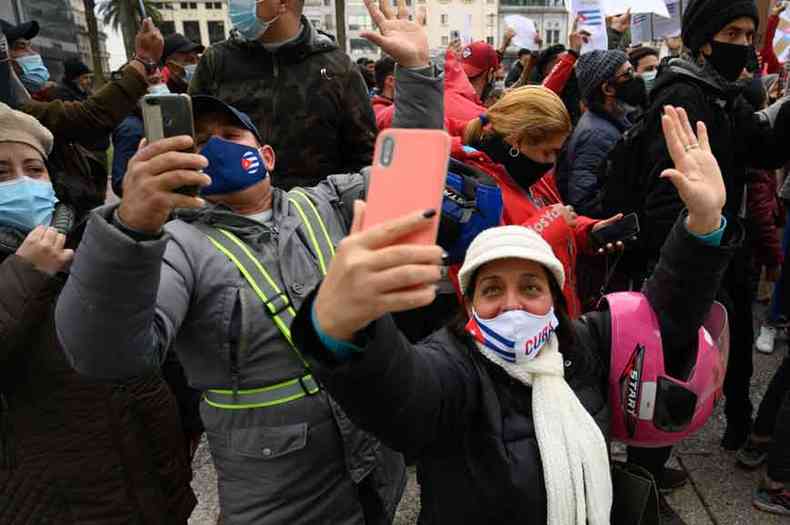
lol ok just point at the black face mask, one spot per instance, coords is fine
(633, 92)
(728, 59)
(521, 168)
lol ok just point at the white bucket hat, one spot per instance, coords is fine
(505, 242)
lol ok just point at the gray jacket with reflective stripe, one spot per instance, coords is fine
(127, 303)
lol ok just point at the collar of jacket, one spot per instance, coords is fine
(310, 42)
(703, 74)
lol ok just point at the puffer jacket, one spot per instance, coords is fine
(533, 207)
(297, 462)
(581, 160)
(307, 99)
(469, 424)
(76, 451)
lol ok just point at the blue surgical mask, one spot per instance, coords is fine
(244, 17)
(189, 72)
(650, 79)
(26, 203)
(232, 167)
(158, 89)
(34, 73)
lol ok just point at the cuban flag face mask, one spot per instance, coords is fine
(232, 167)
(515, 336)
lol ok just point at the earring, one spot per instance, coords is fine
(514, 152)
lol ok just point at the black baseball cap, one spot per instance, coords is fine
(203, 104)
(178, 43)
(12, 32)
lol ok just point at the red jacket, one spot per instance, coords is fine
(383, 108)
(560, 73)
(762, 208)
(534, 208)
(770, 61)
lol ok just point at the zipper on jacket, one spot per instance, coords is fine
(7, 446)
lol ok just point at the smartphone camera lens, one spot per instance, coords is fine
(387, 149)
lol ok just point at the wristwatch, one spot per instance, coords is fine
(150, 66)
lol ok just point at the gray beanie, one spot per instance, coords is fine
(596, 67)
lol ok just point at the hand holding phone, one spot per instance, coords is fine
(169, 115)
(408, 175)
(624, 230)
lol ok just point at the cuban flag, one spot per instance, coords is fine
(590, 17)
(250, 163)
(502, 347)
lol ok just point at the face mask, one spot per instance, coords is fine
(728, 59)
(158, 89)
(34, 73)
(26, 203)
(516, 336)
(244, 17)
(633, 92)
(232, 167)
(650, 79)
(189, 72)
(521, 168)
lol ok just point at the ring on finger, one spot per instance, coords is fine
(689, 147)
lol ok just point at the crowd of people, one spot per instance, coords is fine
(319, 358)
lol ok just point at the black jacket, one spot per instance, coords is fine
(307, 99)
(738, 139)
(467, 422)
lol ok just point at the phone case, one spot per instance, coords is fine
(408, 175)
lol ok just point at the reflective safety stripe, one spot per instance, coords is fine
(314, 224)
(278, 394)
(275, 300)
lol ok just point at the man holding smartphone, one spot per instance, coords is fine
(284, 451)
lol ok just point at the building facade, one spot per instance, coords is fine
(203, 22)
(551, 18)
(467, 20)
(321, 13)
(63, 34)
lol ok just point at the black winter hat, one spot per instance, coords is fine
(75, 68)
(704, 18)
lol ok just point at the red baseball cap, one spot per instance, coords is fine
(478, 57)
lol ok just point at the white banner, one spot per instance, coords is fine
(592, 20)
(647, 28)
(616, 7)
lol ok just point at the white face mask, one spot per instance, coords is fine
(158, 89)
(516, 336)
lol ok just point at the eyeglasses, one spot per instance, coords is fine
(627, 75)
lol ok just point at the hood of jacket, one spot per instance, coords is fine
(311, 41)
(460, 98)
(703, 75)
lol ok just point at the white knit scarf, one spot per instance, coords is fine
(572, 448)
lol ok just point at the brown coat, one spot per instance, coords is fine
(75, 450)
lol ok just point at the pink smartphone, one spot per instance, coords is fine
(408, 175)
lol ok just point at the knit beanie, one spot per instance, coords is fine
(596, 67)
(506, 242)
(16, 126)
(73, 69)
(704, 18)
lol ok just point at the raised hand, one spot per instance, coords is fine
(371, 276)
(696, 175)
(155, 171)
(778, 8)
(621, 23)
(149, 43)
(43, 248)
(403, 40)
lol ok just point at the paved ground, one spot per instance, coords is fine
(720, 492)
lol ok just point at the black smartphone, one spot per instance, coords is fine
(169, 115)
(624, 230)
(752, 62)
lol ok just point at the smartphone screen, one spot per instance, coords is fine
(408, 175)
(169, 115)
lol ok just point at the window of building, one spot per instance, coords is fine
(209, 5)
(167, 27)
(327, 3)
(184, 5)
(444, 19)
(552, 36)
(491, 18)
(445, 40)
(193, 5)
(216, 31)
(538, 3)
(329, 22)
(490, 40)
(192, 31)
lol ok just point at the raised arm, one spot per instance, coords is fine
(693, 259)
